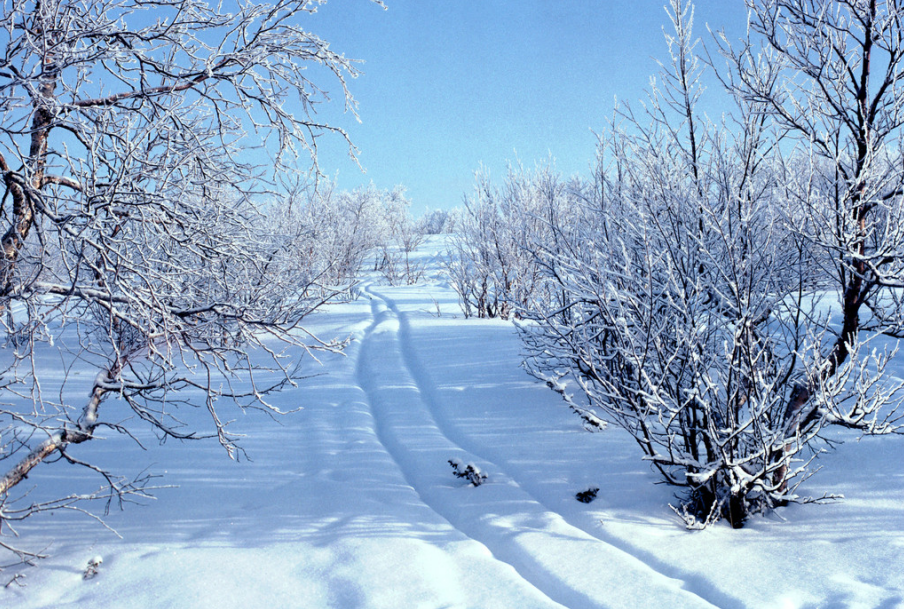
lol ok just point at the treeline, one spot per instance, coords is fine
(337, 235)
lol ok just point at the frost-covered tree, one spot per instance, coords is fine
(131, 245)
(338, 231)
(435, 222)
(841, 66)
(725, 289)
(341, 228)
(401, 234)
(491, 265)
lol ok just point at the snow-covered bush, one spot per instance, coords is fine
(402, 235)
(338, 232)
(715, 291)
(491, 266)
(93, 567)
(436, 222)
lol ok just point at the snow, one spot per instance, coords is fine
(351, 502)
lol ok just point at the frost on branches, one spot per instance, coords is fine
(730, 288)
(333, 233)
(131, 244)
(492, 265)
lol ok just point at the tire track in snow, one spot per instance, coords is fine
(694, 584)
(370, 385)
(567, 563)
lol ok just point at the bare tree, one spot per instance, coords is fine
(841, 97)
(129, 230)
(491, 266)
(697, 283)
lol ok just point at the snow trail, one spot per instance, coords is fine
(694, 584)
(386, 423)
(568, 564)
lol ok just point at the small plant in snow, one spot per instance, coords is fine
(439, 311)
(588, 495)
(93, 567)
(16, 580)
(469, 472)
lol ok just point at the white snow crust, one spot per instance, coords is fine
(351, 503)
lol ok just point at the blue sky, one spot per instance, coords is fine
(450, 85)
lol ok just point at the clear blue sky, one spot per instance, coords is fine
(449, 85)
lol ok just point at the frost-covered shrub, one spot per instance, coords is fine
(93, 567)
(435, 222)
(402, 235)
(714, 289)
(491, 266)
(336, 232)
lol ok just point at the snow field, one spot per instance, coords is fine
(351, 502)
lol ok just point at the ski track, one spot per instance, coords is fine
(694, 584)
(397, 451)
(562, 560)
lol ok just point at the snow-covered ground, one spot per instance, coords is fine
(351, 502)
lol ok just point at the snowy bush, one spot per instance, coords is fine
(403, 235)
(93, 567)
(491, 266)
(723, 297)
(436, 222)
(337, 232)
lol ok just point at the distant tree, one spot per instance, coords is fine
(435, 221)
(130, 243)
(491, 265)
(401, 234)
(700, 282)
(338, 231)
